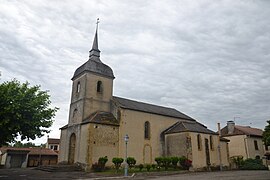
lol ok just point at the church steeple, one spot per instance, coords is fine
(94, 53)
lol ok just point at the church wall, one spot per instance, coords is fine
(62, 155)
(82, 144)
(132, 123)
(199, 156)
(177, 145)
(103, 141)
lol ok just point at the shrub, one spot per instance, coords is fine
(166, 161)
(252, 164)
(185, 162)
(154, 166)
(174, 161)
(148, 167)
(238, 161)
(159, 161)
(117, 162)
(131, 161)
(140, 167)
(102, 161)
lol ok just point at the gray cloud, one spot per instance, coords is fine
(208, 59)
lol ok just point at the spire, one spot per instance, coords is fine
(95, 52)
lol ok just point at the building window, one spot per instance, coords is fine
(51, 147)
(257, 157)
(199, 142)
(256, 145)
(55, 148)
(146, 130)
(211, 143)
(266, 147)
(99, 86)
(78, 87)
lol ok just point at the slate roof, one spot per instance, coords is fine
(188, 127)
(101, 117)
(150, 108)
(96, 67)
(242, 130)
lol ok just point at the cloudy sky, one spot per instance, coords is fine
(208, 59)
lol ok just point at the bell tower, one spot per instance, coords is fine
(92, 87)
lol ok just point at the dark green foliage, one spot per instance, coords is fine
(131, 161)
(24, 111)
(185, 162)
(159, 161)
(117, 162)
(154, 166)
(252, 164)
(148, 167)
(266, 134)
(174, 161)
(102, 162)
(166, 161)
(140, 167)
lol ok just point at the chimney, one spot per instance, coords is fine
(230, 126)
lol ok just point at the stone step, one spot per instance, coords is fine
(59, 168)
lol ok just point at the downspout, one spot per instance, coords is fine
(246, 148)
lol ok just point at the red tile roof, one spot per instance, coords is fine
(33, 151)
(249, 130)
(53, 141)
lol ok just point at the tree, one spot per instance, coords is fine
(24, 111)
(266, 134)
(19, 144)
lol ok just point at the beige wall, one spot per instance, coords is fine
(132, 123)
(176, 145)
(225, 153)
(199, 156)
(242, 145)
(62, 156)
(102, 141)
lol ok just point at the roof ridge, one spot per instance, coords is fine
(145, 103)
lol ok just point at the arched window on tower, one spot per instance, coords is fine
(99, 87)
(147, 130)
(78, 87)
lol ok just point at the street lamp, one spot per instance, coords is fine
(126, 138)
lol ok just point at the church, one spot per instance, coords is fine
(98, 122)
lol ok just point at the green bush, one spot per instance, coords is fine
(102, 161)
(148, 167)
(185, 162)
(159, 161)
(252, 164)
(117, 162)
(140, 167)
(131, 161)
(154, 166)
(174, 161)
(166, 161)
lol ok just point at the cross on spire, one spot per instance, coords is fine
(95, 52)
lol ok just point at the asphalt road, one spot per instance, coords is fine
(31, 174)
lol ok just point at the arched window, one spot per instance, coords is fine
(78, 87)
(211, 143)
(199, 142)
(146, 130)
(75, 112)
(99, 86)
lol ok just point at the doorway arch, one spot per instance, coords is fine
(72, 147)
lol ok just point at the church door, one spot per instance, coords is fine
(207, 153)
(72, 145)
